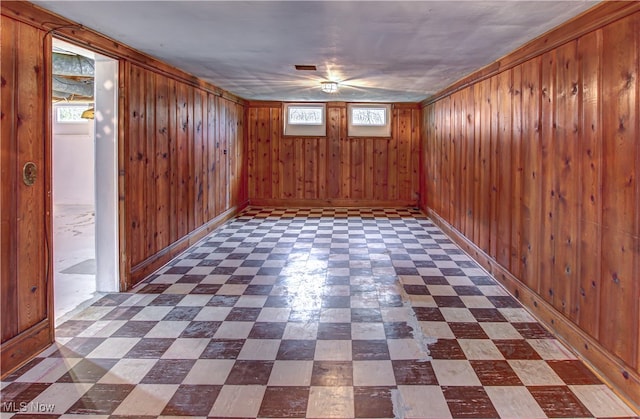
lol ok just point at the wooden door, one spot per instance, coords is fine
(26, 295)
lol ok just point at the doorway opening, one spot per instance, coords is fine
(84, 182)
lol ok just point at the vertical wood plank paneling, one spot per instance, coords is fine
(404, 151)
(232, 124)
(310, 153)
(334, 140)
(190, 149)
(435, 194)
(30, 238)
(26, 323)
(590, 198)
(494, 165)
(516, 170)
(454, 160)
(163, 172)
(276, 164)
(205, 156)
(9, 170)
(322, 167)
(182, 213)
(546, 244)
(241, 167)
(179, 175)
(211, 155)
(415, 155)
(149, 175)
(252, 161)
(380, 169)
(357, 168)
(556, 163)
(566, 179)
(476, 157)
(504, 167)
(445, 144)
(485, 192)
(470, 149)
(136, 161)
(174, 127)
(219, 174)
(300, 164)
(263, 148)
(225, 152)
(162, 180)
(619, 197)
(178, 167)
(531, 184)
(368, 166)
(392, 161)
(197, 168)
(288, 162)
(345, 157)
(333, 169)
(636, 273)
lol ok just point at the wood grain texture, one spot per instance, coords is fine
(556, 140)
(183, 144)
(335, 168)
(531, 184)
(25, 246)
(620, 284)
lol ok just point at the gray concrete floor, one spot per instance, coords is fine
(74, 258)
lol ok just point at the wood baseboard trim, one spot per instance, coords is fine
(322, 203)
(19, 350)
(622, 379)
(153, 263)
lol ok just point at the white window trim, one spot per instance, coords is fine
(369, 130)
(305, 130)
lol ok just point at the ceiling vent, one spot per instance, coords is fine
(306, 67)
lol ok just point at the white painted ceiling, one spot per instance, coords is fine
(386, 51)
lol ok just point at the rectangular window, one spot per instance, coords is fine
(70, 114)
(369, 117)
(369, 120)
(305, 119)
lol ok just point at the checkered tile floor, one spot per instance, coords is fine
(343, 313)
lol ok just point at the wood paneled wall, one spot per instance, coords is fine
(334, 169)
(24, 245)
(181, 147)
(183, 159)
(535, 170)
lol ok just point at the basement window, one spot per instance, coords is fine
(305, 119)
(369, 120)
(70, 114)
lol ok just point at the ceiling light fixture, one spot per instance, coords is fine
(329, 86)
